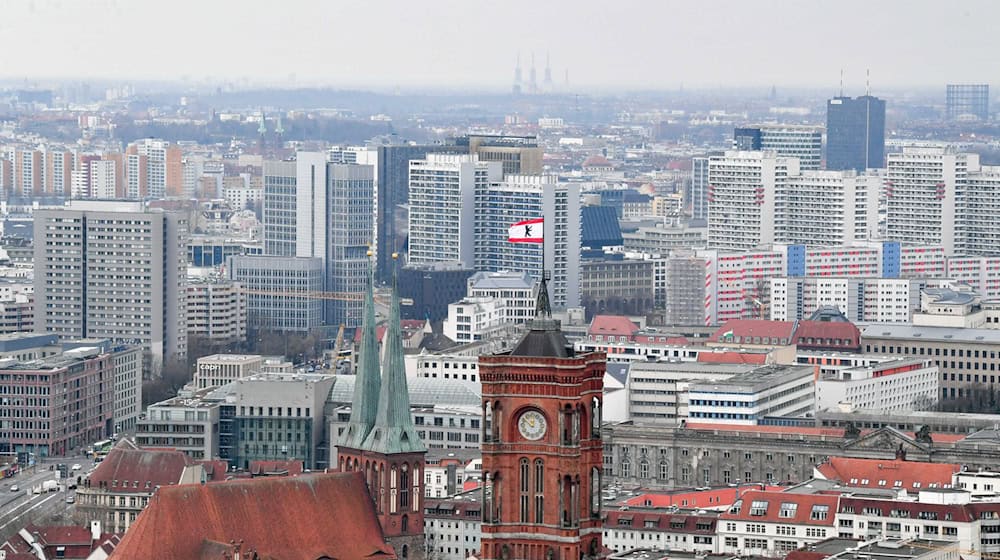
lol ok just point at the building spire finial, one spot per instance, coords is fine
(368, 378)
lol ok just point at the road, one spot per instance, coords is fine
(20, 508)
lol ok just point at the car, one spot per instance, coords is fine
(15, 488)
(76, 466)
(70, 499)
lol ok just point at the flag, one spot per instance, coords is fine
(527, 231)
(727, 334)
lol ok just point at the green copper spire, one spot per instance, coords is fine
(278, 129)
(262, 129)
(393, 431)
(364, 405)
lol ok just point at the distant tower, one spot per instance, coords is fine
(548, 74)
(279, 134)
(262, 131)
(533, 79)
(517, 75)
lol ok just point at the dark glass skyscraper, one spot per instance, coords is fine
(855, 133)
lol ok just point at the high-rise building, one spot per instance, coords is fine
(743, 188)
(335, 222)
(442, 206)
(924, 190)
(698, 201)
(28, 173)
(829, 208)
(392, 185)
(521, 197)
(978, 228)
(381, 439)
(855, 133)
(58, 172)
(115, 271)
(967, 102)
(279, 208)
(153, 169)
(102, 179)
(542, 446)
(270, 284)
(798, 141)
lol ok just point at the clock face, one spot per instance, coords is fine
(532, 425)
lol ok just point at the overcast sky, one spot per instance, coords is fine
(610, 43)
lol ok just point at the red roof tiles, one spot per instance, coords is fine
(292, 518)
(139, 470)
(612, 325)
(877, 473)
(755, 331)
(290, 467)
(827, 335)
(809, 509)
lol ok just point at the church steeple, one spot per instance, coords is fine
(393, 431)
(368, 378)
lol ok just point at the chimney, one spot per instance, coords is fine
(95, 530)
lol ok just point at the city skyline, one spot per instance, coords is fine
(685, 44)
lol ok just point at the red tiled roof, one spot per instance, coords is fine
(616, 325)
(663, 521)
(596, 160)
(265, 468)
(827, 334)
(379, 333)
(292, 518)
(732, 357)
(470, 484)
(959, 513)
(876, 473)
(215, 469)
(750, 328)
(802, 514)
(805, 555)
(711, 498)
(75, 541)
(128, 470)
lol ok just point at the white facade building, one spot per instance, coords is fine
(743, 192)
(884, 384)
(747, 398)
(442, 206)
(218, 369)
(872, 300)
(829, 208)
(923, 188)
(516, 290)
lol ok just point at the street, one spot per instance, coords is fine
(20, 508)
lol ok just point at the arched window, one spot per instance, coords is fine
(405, 551)
(626, 468)
(664, 471)
(416, 487)
(393, 488)
(644, 469)
(404, 487)
(525, 488)
(404, 524)
(595, 418)
(539, 491)
(595, 492)
(488, 422)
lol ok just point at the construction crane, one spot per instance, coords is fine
(338, 296)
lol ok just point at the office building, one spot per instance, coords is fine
(924, 193)
(278, 417)
(216, 310)
(442, 207)
(188, 423)
(279, 208)
(752, 396)
(129, 285)
(802, 142)
(965, 102)
(279, 292)
(335, 223)
(864, 300)
(519, 197)
(885, 384)
(617, 286)
(392, 180)
(219, 369)
(520, 155)
(516, 291)
(432, 288)
(855, 133)
(57, 405)
(743, 187)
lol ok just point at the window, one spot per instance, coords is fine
(758, 508)
(756, 528)
(815, 533)
(732, 542)
(819, 512)
(788, 509)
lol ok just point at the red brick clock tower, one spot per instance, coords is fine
(542, 447)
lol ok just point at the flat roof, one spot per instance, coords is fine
(934, 334)
(758, 379)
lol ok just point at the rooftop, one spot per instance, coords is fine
(501, 281)
(878, 473)
(935, 334)
(758, 379)
(424, 391)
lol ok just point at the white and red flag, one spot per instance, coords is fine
(527, 231)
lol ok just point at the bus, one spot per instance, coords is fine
(99, 450)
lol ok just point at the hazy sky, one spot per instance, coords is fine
(612, 43)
